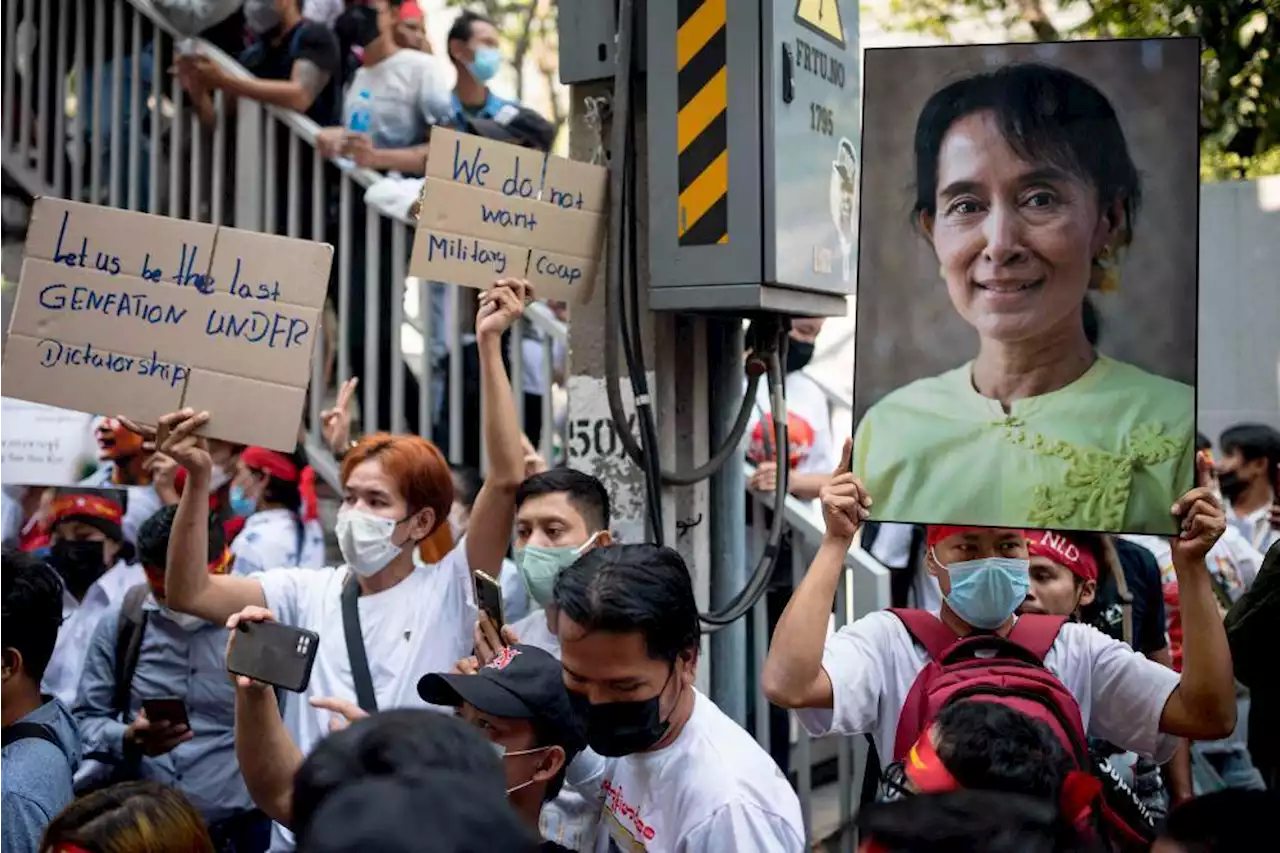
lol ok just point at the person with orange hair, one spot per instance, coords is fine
(413, 619)
(129, 818)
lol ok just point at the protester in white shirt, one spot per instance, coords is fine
(1249, 474)
(811, 447)
(393, 100)
(96, 565)
(397, 490)
(281, 527)
(560, 514)
(681, 776)
(856, 680)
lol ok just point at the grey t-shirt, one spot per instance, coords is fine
(405, 94)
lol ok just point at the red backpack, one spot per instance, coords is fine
(1009, 671)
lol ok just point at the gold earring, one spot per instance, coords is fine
(1107, 270)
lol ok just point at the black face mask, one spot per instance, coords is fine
(615, 729)
(80, 563)
(799, 354)
(1231, 484)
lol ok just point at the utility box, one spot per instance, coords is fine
(754, 109)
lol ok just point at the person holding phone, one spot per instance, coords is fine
(380, 607)
(164, 711)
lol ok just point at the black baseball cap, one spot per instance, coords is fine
(515, 124)
(521, 683)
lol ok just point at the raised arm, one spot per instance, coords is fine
(793, 673)
(1203, 705)
(494, 510)
(189, 588)
(268, 757)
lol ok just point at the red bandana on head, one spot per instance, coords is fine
(1062, 550)
(84, 506)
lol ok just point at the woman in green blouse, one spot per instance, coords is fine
(1026, 192)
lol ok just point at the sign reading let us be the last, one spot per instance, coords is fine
(127, 313)
(492, 210)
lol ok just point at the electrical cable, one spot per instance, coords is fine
(622, 152)
(758, 584)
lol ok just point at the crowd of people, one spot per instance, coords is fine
(1035, 706)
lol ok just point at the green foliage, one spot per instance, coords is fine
(1240, 62)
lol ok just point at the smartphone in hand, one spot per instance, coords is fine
(275, 654)
(489, 598)
(166, 709)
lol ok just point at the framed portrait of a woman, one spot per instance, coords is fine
(1027, 284)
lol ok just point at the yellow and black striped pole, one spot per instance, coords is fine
(701, 129)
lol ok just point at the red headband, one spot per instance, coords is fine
(1065, 552)
(937, 532)
(270, 462)
(86, 506)
(925, 770)
(410, 10)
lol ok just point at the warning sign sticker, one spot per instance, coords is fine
(823, 17)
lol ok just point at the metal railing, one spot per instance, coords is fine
(93, 118)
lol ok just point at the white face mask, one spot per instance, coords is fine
(365, 541)
(185, 621)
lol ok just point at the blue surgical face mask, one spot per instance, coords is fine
(985, 592)
(486, 64)
(241, 504)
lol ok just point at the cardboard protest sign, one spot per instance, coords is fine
(492, 210)
(1027, 271)
(127, 313)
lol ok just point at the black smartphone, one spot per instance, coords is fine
(166, 709)
(489, 598)
(274, 654)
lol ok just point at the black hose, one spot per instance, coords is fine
(758, 583)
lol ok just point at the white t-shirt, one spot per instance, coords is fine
(713, 790)
(408, 93)
(1232, 559)
(79, 621)
(533, 630)
(873, 662)
(270, 539)
(515, 595)
(423, 624)
(812, 447)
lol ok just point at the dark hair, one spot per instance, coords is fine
(1253, 441)
(966, 821)
(288, 494)
(461, 29)
(467, 483)
(1223, 821)
(444, 811)
(1202, 441)
(153, 539)
(130, 817)
(391, 743)
(988, 746)
(633, 588)
(586, 493)
(32, 610)
(1046, 114)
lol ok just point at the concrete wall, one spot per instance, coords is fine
(1239, 346)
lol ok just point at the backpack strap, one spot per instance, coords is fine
(1036, 633)
(366, 698)
(129, 633)
(27, 731)
(927, 630)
